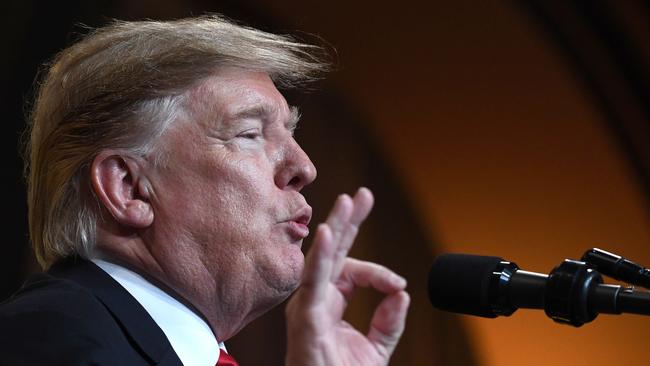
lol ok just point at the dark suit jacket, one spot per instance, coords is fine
(76, 314)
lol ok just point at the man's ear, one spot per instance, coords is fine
(122, 188)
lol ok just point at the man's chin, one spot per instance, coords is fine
(287, 285)
(283, 276)
(277, 293)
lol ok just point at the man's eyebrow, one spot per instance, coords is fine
(258, 111)
(265, 111)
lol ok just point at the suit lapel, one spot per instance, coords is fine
(132, 317)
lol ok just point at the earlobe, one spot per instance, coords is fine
(122, 189)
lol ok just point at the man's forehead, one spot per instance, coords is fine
(236, 93)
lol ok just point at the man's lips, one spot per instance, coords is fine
(302, 216)
(297, 224)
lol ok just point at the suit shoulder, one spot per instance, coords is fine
(43, 293)
(55, 319)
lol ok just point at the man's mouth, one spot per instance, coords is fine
(297, 224)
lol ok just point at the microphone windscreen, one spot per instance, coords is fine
(460, 283)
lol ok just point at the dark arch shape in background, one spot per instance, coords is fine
(604, 43)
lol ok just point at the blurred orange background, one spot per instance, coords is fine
(501, 150)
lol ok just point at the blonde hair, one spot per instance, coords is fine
(120, 87)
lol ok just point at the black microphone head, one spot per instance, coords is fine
(460, 283)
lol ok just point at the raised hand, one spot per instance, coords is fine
(317, 334)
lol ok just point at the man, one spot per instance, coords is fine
(165, 206)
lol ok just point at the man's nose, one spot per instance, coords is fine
(295, 169)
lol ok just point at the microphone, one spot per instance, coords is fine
(573, 293)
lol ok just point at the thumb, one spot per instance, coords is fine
(388, 322)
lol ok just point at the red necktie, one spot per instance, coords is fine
(226, 359)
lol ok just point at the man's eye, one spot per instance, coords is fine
(250, 134)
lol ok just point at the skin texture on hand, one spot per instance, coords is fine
(317, 334)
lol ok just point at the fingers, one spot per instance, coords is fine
(340, 215)
(387, 324)
(388, 320)
(363, 201)
(318, 264)
(332, 242)
(368, 274)
(344, 223)
(329, 276)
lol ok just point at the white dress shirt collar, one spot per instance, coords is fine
(189, 335)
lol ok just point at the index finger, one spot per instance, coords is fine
(318, 265)
(347, 229)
